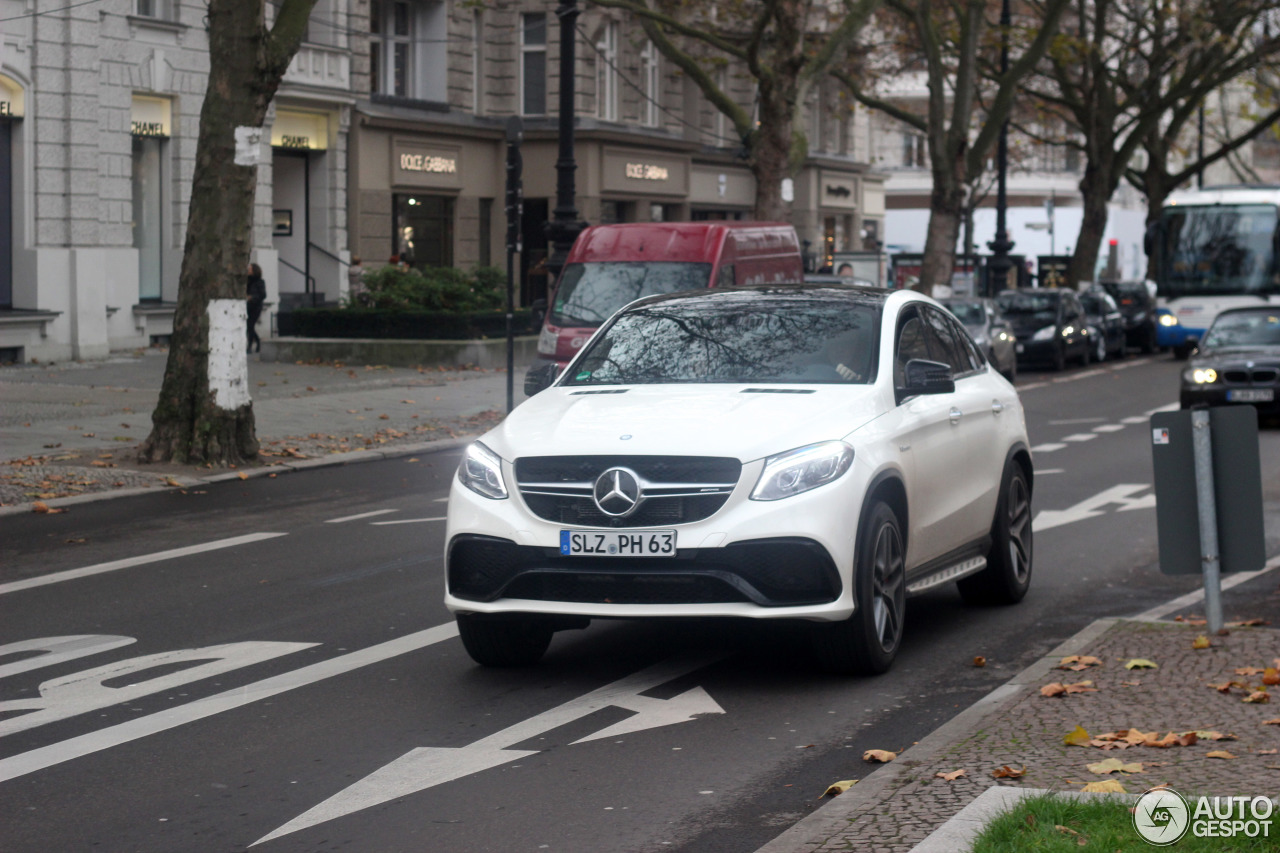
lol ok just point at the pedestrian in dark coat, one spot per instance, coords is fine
(256, 295)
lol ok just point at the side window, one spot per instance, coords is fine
(911, 344)
(944, 345)
(724, 278)
(976, 359)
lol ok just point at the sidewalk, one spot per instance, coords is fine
(73, 429)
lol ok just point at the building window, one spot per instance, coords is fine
(423, 230)
(915, 151)
(607, 73)
(160, 9)
(651, 79)
(390, 47)
(477, 62)
(533, 63)
(148, 207)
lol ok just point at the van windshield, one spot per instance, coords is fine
(588, 294)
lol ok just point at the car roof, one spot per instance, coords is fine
(1248, 309)
(779, 293)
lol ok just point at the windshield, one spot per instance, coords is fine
(1222, 249)
(1246, 329)
(588, 294)
(1094, 304)
(968, 313)
(799, 340)
(1021, 304)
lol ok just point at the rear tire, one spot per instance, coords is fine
(504, 641)
(1007, 576)
(867, 642)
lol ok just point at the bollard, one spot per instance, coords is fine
(1202, 448)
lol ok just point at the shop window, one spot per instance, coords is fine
(915, 151)
(613, 212)
(664, 212)
(423, 234)
(607, 73)
(148, 208)
(533, 63)
(651, 79)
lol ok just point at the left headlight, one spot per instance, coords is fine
(802, 469)
(481, 472)
(1200, 375)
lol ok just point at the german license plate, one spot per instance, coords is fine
(1251, 395)
(618, 543)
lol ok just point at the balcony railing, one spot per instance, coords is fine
(322, 67)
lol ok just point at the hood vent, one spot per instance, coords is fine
(778, 391)
(603, 391)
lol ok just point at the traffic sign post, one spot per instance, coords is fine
(1208, 484)
(515, 208)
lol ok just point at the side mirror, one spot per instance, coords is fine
(540, 377)
(927, 377)
(539, 311)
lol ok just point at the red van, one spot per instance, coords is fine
(612, 265)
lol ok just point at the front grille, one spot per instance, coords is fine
(678, 489)
(766, 572)
(1256, 376)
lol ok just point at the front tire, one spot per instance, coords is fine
(503, 641)
(1060, 357)
(867, 642)
(1100, 349)
(1007, 576)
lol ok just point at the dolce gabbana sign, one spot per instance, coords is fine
(416, 164)
(644, 173)
(647, 172)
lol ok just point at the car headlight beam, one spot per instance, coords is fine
(1168, 320)
(481, 472)
(802, 469)
(1045, 334)
(1200, 375)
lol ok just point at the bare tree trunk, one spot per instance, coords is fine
(1095, 191)
(774, 153)
(204, 413)
(946, 208)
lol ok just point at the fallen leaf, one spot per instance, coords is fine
(1081, 687)
(1054, 689)
(311, 388)
(414, 459)
(881, 755)
(1212, 735)
(1249, 670)
(1066, 830)
(1268, 751)
(1131, 684)
(1077, 737)
(1007, 772)
(1104, 786)
(243, 475)
(979, 661)
(1140, 663)
(78, 541)
(1076, 663)
(1200, 642)
(172, 482)
(1248, 623)
(1173, 739)
(1219, 753)
(1114, 765)
(1275, 722)
(410, 402)
(1271, 677)
(950, 777)
(1258, 697)
(384, 417)
(839, 788)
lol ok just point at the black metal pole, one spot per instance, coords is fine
(565, 226)
(1000, 246)
(515, 205)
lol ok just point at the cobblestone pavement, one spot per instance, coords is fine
(901, 803)
(73, 429)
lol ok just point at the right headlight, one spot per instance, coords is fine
(1168, 320)
(1200, 375)
(802, 469)
(481, 472)
(1045, 334)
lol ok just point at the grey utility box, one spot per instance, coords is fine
(1237, 489)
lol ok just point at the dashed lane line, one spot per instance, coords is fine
(360, 516)
(1109, 428)
(407, 521)
(129, 562)
(1047, 448)
(1081, 436)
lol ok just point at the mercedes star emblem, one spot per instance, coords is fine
(617, 492)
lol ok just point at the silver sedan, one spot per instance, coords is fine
(983, 321)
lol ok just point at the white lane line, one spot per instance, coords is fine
(360, 516)
(442, 500)
(1085, 375)
(1047, 448)
(408, 521)
(1193, 598)
(1040, 472)
(1074, 421)
(1031, 386)
(129, 562)
(1109, 428)
(76, 747)
(1168, 407)
(1081, 436)
(1136, 419)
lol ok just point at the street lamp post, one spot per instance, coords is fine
(1000, 246)
(565, 226)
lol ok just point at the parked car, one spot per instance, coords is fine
(708, 454)
(989, 330)
(1049, 324)
(1237, 361)
(1137, 306)
(611, 265)
(1106, 325)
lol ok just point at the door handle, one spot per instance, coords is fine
(996, 407)
(956, 415)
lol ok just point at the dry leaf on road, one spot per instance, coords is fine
(1219, 753)
(1271, 676)
(1249, 670)
(1114, 765)
(1076, 663)
(1077, 737)
(1007, 772)
(1141, 663)
(881, 755)
(979, 661)
(1258, 697)
(1275, 722)
(950, 777)
(839, 788)
(1200, 642)
(1105, 786)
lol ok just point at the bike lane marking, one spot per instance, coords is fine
(87, 744)
(129, 562)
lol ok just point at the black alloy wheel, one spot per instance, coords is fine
(504, 641)
(868, 641)
(1007, 576)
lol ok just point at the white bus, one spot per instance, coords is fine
(1215, 248)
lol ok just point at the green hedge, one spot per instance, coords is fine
(433, 289)
(399, 323)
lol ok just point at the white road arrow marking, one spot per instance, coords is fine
(427, 767)
(1094, 506)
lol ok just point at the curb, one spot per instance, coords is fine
(354, 457)
(815, 830)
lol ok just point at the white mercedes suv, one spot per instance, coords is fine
(812, 453)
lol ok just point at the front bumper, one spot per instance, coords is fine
(1029, 350)
(1174, 334)
(1219, 394)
